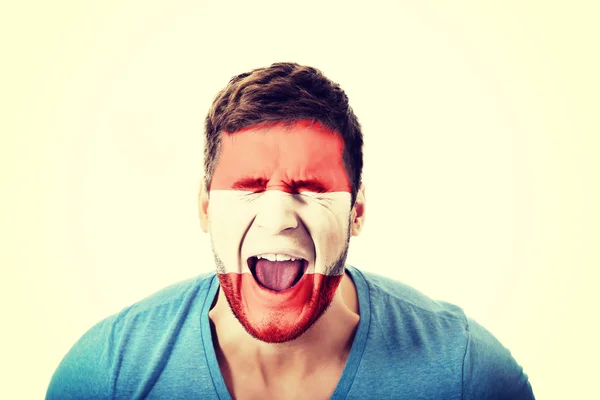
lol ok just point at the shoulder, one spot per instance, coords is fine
(90, 368)
(160, 309)
(384, 291)
(172, 296)
(401, 319)
(442, 337)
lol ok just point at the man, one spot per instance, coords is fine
(284, 317)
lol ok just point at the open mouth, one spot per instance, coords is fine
(277, 275)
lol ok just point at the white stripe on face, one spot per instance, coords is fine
(244, 223)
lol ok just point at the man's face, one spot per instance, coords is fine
(279, 218)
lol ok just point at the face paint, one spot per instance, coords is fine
(280, 191)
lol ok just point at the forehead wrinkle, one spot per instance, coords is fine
(281, 163)
(307, 161)
(283, 155)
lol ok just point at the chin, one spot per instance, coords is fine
(278, 317)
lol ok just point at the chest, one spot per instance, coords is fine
(318, 385)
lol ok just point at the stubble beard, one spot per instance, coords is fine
(318, 304)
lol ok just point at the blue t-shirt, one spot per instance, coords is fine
(407, 346)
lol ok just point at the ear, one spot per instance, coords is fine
(358, 212)
(203, 207)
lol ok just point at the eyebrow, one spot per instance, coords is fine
(250, 184)
(260, 184)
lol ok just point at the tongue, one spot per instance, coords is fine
(277, 275)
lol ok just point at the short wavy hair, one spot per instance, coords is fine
(284, 93)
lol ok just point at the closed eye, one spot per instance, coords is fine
(259, 185)
(310, 185)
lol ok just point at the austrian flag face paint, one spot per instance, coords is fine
(279, 215)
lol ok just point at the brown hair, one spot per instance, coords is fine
(284, 92)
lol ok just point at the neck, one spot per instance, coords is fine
(327, 342)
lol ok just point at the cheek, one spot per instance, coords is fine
(229, 218)
(328, 226)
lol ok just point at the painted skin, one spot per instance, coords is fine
(280, 190)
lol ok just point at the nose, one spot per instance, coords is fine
(277, 212)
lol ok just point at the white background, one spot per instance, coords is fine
(480, 123)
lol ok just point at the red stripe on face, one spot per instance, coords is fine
(276, 317)
(302, 158)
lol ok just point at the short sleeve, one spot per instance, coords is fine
(489, 370)
(85, 372)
